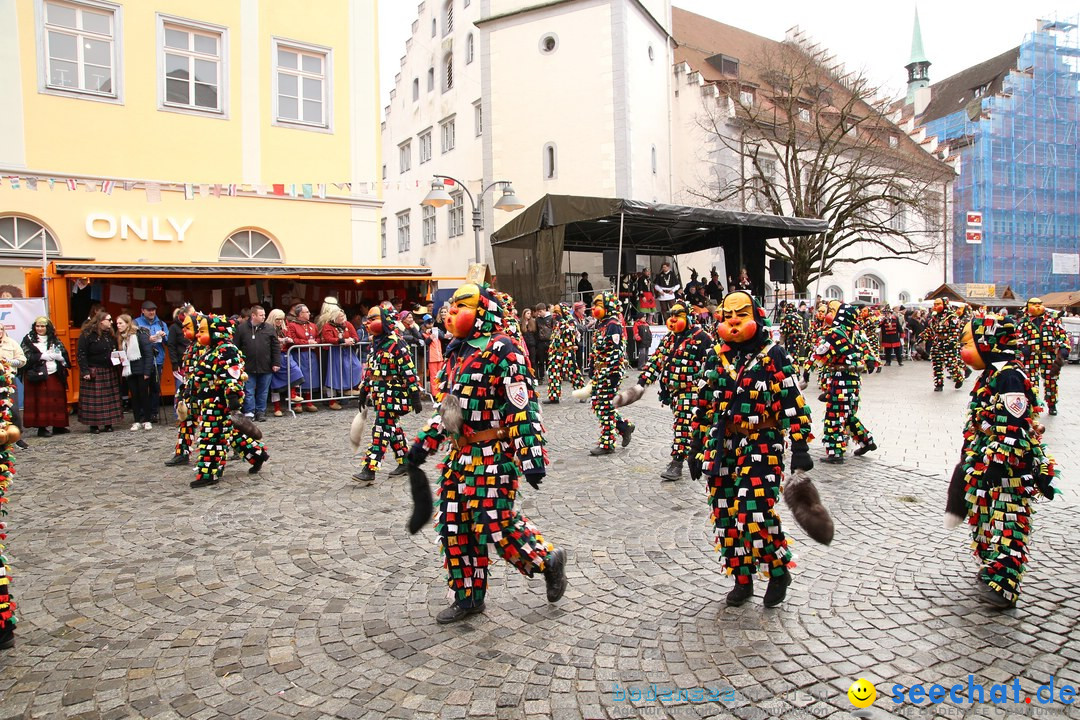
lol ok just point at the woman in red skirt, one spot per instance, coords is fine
(45, 380)
(99, 390)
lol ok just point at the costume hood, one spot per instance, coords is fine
(995, 337)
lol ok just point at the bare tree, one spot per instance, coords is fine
(804, 141)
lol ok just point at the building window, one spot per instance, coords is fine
(430, 79)
(456, 215)
(746, 97)
(405, 156)
(550, 161)
(804, 114)
(833, 292)
(80, 47)
(427, 224)
(302, 80)
(448, 135)
(403, 232)
(652, 54)
(905, 297)
(21, 236)
(898, 219)
(466, 4)
(869, 288)
(549, 43)
(384, 171)
(434, 27)
(470, 49)
(893, 141)
(448, 25)
(448, 68)
(425, 146)
(382, 237)
(416, 89)
(653, 153)
(478, 116)
(192, 62)
(249, 246)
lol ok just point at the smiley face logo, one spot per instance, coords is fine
(862, 693)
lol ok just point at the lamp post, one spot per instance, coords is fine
(439, 197)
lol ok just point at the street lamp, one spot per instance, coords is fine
(439, 197)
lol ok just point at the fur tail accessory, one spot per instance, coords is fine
(806, 507)
(423, 505)
(582, 393)
(629, 396)
(955, 499)
(244, 426)
(358, 429)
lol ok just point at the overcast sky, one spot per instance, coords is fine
(864, 34)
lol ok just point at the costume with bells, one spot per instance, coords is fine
(9, 435)
(489, 415)
(842, 353)
(942, 336)
(186, 407)
(608, 357)
(1046, 348)
(391, 384)
(1005, 466)
(562, 363)
(677, 365)
(749, 401)
(217, 388)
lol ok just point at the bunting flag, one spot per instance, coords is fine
(52, 182)
(215, 190)
(306, 190)
(72, 184)
(189, 191)
(128, 185)
(153, 192)
(91, 185)
(320, 190)
(231, 190)
(292, 190)
(31, 184)
(260, 190)
(279, 189)
(107, 186)
(14, 180)
(204, 190)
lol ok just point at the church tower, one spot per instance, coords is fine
(918, 67)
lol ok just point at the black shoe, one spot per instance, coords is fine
(967, 373)
(740, 594)
(878, 369)
(597, 451)
(626, 434)
(555, 574)
(992, 597)
(94, 430)
(366, 474)
(822, 398)
(777, 590)
(260, 417)
(46, 432)
(7, 638)
(900, 363)
(457, 612)
(834, 459)
(673, 472)
(20, 443)
(175, 460)
(60, 431)
(108, 428)
(958, 384)
(938, 389)
(399, 470)
(257, 465)
(552, 401)
(204, 482)
(868, 447)
(1053, 410)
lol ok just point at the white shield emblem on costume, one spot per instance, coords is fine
(822, 348)
(1015, 403)
(235, 371)
(518, 395)
(616, 338)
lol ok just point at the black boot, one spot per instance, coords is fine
(992, 597)
(551, 401)
(555, 574)
(673, 472)
(1053, 409)
(456, 612)
(366, 474)
(777, 590)
(601, 451)
(626, 432)
(399, 470)
(740, 593)
(257, 465)
(204, 482)
(958, 384)
(7, 638)
(822, 398)
(180, 459)
(868, 447)
(937, 388)
(835, 459)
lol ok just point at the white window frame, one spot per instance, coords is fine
(430, 79)
(202, 28)
(427, 224)
(10, 247)
(448, 18)
(415, 89)
(382, 237)
(249, 257)
(327, 126)
(455, 221)
(403, 231)
(746, 97)
(116, 97)
(478, 117)
(424, 144)
(837, 295)
(405, 157)
(448, 133)
(470, 49)
(448, 72)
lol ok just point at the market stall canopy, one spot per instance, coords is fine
(1062, 300)
(989, 294)
(139, 270)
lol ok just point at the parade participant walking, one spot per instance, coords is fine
(391, 384)
(842, 355)
(561, 362)
(9, 435)
(750, 400)
(1005, 465)
(677, 365)
(942, 337)
(1046, 348)
(890, 338)
(795, 337)
(489, 413)
(870, 324)
(187, 411)
(218, 389)
(608, 356)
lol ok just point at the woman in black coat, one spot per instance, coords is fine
(45, 379)
(99, 387)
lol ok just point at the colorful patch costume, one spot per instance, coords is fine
(10, 435)
(391, 384)
(608, 359)
(796, 338)
(677, 365)
(749, 401)
(489, 415)
(186, 426)
(842, 353)
(1046, 347)
(562, 363)
(217, 388)
(1005, 465)
(870, 324)
(942, 336)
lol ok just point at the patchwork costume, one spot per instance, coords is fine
(217, 388)
(1046, 347)
(608, 358)
(750, 400)
(842, 354)
(186, 425)
(796, 338)
(9, 435)
(490, 417)
(942, 336)
(562, 363)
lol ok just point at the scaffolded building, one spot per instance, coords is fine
(1013, 122)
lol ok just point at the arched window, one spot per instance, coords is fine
(551, 160)
(249, 246)
(470, 49)
(869, 288)
(430, 79)
(416, 89)
(448, 71)
(833, 292)
(448, 25)
(21, 236)
(905, 297)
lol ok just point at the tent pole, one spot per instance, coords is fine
(821, 269)
(618, 269)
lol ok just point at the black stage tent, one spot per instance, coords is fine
(528, 250)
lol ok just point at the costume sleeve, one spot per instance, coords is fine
(607, 351)
(789, 406)
(404, 367)
(228, 371)
(708, 396)
(657, 361)
(1059, 338)
(521, 413)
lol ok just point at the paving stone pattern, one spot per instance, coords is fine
(297, 594)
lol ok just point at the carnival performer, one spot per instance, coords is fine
(870, 324)
(490, 416)
(1005, 465)
(9, 435)
(608, 358)
(818, 325)
(562, 363)
(842, 355)
(890, 338)
(217, 388)
(795, 336)
(186, 406)
(1046, 348)
(677, 365)
(391, 384)
(942, 337)
(750, 400)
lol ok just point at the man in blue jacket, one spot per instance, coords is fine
(159, 332)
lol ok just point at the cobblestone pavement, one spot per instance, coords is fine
(296, 594)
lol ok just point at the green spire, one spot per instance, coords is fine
(918, 55)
